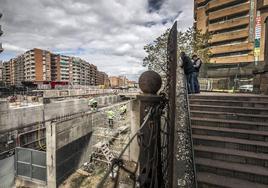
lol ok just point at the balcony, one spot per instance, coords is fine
(228, 24)
(262, 4)
(219, 3)
(233, 59)
(229, 36)
(232, 48)
(229, 11)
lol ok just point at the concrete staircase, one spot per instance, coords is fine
(230, 135)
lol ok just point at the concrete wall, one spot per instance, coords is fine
(69, 143)
(7, 172)
(70, 92)
(73, 145)
(19, 117)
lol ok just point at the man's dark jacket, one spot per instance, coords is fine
(187, 65)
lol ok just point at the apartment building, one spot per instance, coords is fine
(6, 73)
(114, 81)
(17, 70)
(93, 74)
(43, 67)
(37, 66)
(236, 28)
(83, 72)
(102, 79)
(76, 63)
(61, 68)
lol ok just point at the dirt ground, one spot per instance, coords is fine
(83, 179)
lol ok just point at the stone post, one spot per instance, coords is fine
(51, 154)
(147, 150)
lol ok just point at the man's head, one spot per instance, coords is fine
(194, 57)
(182, 54)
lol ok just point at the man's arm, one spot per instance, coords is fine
(197, 63)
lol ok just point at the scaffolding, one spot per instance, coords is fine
(109, 143)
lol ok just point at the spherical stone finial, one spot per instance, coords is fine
(150, 82)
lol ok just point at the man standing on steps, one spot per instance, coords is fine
(197, 62)
(189, 71)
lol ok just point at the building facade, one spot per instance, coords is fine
(61, 68)
(43, 67)
(6, 72)
(236, 28)
(37, 65)
(102, 79)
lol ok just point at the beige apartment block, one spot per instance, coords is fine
(232, 25)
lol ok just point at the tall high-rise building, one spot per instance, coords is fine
(236, 28)
(37, 66)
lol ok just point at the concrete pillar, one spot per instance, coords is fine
(135, 122)
(51, 154)
(149, 137)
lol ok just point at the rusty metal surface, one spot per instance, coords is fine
(171, 94)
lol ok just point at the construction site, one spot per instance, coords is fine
(84, 134)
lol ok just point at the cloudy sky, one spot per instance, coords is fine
(108, 33)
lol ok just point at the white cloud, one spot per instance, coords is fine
(108, 33)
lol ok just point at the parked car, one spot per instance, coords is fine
(246, 88)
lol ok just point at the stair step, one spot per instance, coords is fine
(243, 171)
(230, 123)
(233, 109)
(224, 102)
(230, 116)
(213, 180)
(231, 132)
(232, 143)
(231, 155)
(237, 97)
